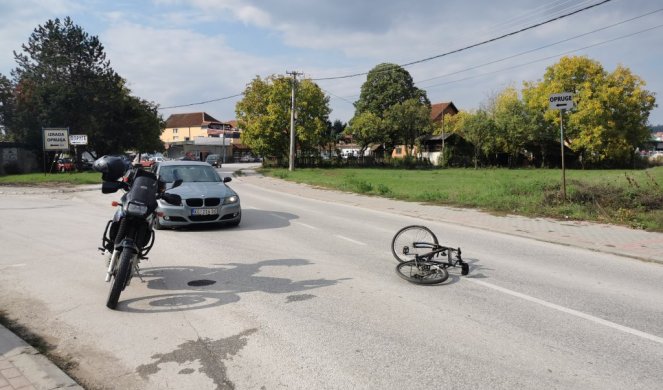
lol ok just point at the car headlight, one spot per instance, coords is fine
(231, 199)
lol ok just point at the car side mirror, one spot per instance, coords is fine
(177, 183)
(227, 179)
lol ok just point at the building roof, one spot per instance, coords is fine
(192, 119)
(437, 110)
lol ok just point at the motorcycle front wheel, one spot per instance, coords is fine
(120, 278)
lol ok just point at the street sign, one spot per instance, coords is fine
(78, 139)
(561, 101)
(56, 139)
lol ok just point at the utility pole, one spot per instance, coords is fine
(291, 165)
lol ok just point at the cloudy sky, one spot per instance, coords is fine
(180, 52)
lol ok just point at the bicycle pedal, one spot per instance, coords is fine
(465, 269)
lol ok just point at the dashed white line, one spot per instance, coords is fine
(350, 239)
(306, 225)
(278, 216)
(11, 266)
(566, 310)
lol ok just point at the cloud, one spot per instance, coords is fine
(178, 66)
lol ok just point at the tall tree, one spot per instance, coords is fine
(64, 80)
(611, 113)
(264, 114)
(6, 104)
(366, 128)
(387, 85)
(408, 121)
(512, 123)
(477, 128)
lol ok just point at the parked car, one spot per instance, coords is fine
(213, 160)
(248, 158)
(65, 165)
(206, 198)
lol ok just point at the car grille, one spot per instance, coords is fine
(199, 202)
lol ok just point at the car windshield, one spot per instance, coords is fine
(188, 173)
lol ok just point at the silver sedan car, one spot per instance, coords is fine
(206, 199)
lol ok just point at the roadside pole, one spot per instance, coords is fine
(561, 101)
(291, 164)
(561, 142)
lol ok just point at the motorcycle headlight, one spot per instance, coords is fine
(136, 209)
(231, 199)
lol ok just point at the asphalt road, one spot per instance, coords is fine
(305, 297)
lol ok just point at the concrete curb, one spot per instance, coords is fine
(23, 367)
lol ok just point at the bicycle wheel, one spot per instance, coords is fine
(402, 245)
(422, 272)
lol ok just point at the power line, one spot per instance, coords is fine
(545, 58)
(542, 47)
(529, 51)
(207, 101)
(417, 61)
(473, 45)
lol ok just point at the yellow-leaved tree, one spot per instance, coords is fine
(609, 120)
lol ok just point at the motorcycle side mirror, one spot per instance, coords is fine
(227, 179)
(173, 199)
(177, 183)
(110, 187)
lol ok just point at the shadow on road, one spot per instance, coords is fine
(252, 219)
(202, 287)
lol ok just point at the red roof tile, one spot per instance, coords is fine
(438, 109)
(192, 119)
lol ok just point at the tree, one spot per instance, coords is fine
(512, 123)
(611, 113)
(264, 114)
(387, 85)
(64, 80)
(366, 128)
(6, 104)
(476, 128)
(408, 121)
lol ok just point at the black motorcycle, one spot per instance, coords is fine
(129, 236)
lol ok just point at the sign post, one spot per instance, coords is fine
(77, 139)
(55, 139)
(561, 102)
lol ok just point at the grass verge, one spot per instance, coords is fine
(626, 197)
(52, 179)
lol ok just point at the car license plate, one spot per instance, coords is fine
(204, 212)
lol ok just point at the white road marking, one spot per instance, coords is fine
(566, 310)
(306, 225)
(278, 216)
(350, 239)
(11, 266)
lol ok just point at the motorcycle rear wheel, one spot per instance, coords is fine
(120, 278)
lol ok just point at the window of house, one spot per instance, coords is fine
(186, 138)
(175, 138)
(175, 131)
(399, 150)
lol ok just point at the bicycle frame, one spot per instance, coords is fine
(439, 250)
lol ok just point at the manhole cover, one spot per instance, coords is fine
(200, 283)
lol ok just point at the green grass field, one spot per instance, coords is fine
(627, 197)
(52, 179)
